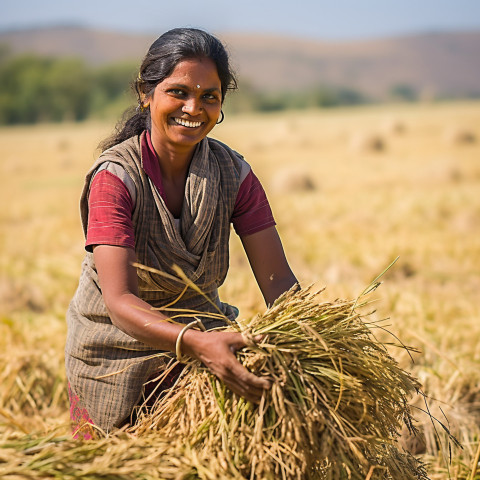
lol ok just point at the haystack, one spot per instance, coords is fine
(368, 142)
(394, 126)
(335, 410)
(459, 136)
(292, 180)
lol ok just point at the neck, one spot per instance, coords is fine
(174, 161)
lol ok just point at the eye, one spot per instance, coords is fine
(211, 97)
(176, 91)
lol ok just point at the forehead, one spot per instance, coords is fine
(201, 71)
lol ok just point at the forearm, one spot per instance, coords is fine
(136, 318)
(272, 287)
(214, 349)
(269, 263)
(128, 312)
(119, 284)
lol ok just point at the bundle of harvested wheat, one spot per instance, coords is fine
(116, 457)
(337, 404)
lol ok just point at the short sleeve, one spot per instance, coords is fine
(252, 212)
(110, 208)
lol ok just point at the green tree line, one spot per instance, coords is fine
(36, 89)
(42, 89)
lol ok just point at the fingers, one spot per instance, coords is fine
(242, 341)
(243, 382)
(228, 369)
(216, 350)
(247, 385)
(237, 344)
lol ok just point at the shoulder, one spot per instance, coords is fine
(126, 150)
(222, 149)
(120, 173)
(122, 159)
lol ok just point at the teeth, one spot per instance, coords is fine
(187, 123)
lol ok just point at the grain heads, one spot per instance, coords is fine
(337, 403)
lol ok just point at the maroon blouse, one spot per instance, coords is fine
(111, 206)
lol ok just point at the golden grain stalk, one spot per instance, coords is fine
(337, 404)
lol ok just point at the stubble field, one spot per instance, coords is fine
(351, 190)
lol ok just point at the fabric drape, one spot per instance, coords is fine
(96, 350)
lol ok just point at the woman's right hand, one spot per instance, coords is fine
(216, 350)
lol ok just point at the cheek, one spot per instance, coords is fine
(214, 112)
(166, 107)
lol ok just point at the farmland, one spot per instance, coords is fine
(351, 190)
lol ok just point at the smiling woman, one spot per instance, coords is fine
(163, 194)
(181, 113)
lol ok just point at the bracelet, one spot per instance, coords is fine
(178, 343)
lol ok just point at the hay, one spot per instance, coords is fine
(30, 383)
(394, 126)
(292, 180)
(459, 136)
(367, 142)
(335, 410)
(117, 457)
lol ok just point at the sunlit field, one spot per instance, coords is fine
(351, 190)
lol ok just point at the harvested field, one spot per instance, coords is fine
(417, 199)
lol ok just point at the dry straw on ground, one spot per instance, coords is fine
(418, 199)
(337, 404)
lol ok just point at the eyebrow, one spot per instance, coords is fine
(186, 87)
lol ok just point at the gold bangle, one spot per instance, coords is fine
(178, 343)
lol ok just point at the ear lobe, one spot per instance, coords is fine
(144, 100)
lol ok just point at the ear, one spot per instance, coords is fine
(145, 100)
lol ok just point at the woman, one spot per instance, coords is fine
(163, 194)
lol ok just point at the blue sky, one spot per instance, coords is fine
(321, 19)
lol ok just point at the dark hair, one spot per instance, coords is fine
(161, 59)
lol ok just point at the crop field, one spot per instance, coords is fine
(351, 191)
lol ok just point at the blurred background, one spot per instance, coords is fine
(74, 61)
(362, 120)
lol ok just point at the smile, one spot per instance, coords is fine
(186, 123)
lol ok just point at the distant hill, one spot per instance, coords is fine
(436, 64)
(95, 46)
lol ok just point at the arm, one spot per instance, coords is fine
(269, 264)
(118, 281)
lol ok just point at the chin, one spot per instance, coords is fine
(192, 138)
(190, 141)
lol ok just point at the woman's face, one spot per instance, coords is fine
(186, 105)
